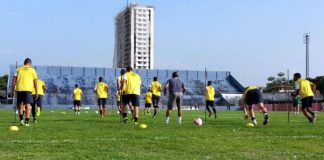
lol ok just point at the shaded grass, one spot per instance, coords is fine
(58, 136)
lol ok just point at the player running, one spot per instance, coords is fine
(252, 96)
(24, 82)
(131, 84)
(210, 98)
(38, 100)
(77, 94)
(148, 102)
(176, 89)
(102, 94)
(306, 90)
(156, 88)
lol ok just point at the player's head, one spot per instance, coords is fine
(100, 79)
(122, 71)
(297, 76)
(76, 85)
(209, 83)
(129, 68)
(175, 75)
(154, 78)
(28, 61)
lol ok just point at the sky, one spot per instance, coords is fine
(252, 39)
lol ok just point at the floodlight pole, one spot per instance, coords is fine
(306, 41)
(288, 88)
(204, 92)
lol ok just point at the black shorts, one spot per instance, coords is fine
(254, 97)
(131, 98)
(210, 103)
(148, 105)
(102, 102)
(24, 97)
(38, 102)
(77, 103)
(295, 103)
(307, 102)
(156, 101)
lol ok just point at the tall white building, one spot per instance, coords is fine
(134, 37)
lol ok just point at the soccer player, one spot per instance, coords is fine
(306, 90)
(296, 103)
(77, 94)
(38, 102)
(156, 88)
(252, 96)
(121, 91)
(131, 84)
(24, 82)
(210, 98)
(148, 102)
(176, 89)
(102, 93)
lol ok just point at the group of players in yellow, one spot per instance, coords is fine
(30, 90)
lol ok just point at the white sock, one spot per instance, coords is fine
(179, 120)
(167, 120)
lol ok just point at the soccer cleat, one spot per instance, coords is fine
(136, 123)
(35, 121)
(153, 117)
(22, 122)
(215, 115)
(125, 120)
(27, 125)
(266, 119)
(255, 122)
(314, 116)
(209, 114)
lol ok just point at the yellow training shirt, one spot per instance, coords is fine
(210, 93)
(249, 89)
(25, 78)
(156, 88)
(148, 97)
(304, 87)
(40, 88)
(102, 90)
(133, 83)
(77, 94)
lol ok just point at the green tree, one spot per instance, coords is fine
(3, 82)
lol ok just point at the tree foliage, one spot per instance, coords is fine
(278, 83)
(3, 82)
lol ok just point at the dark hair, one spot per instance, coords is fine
(175, 74)
(154, 78)
(297, 75)
(76, 85)
(100, 79)
(129, 68)
(122, 71)
(27, 61)
(209, 83)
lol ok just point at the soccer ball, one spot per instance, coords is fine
(197, 121)
(143, 126)
(13, 128)
(249, 125)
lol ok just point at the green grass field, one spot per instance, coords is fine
(86, 136)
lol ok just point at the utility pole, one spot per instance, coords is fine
(306, 41)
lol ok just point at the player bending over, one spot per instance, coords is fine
(252, 96)
(38, 100)
(102, 93)
(306, 90)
